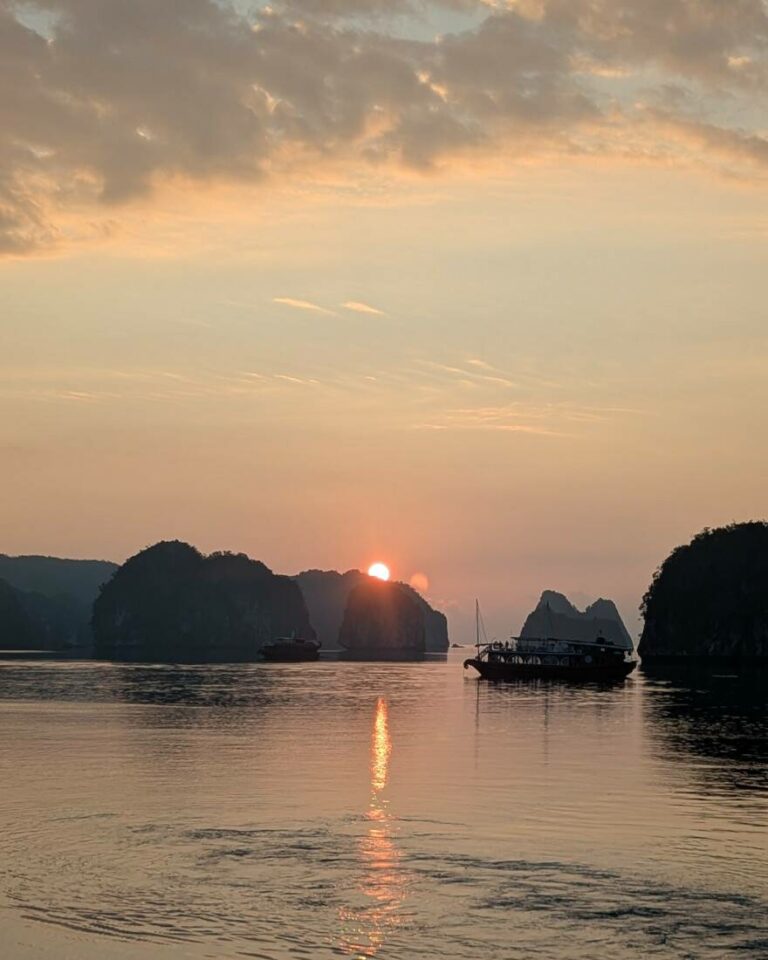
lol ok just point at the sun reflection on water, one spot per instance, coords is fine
(382, 883)
(381, 749)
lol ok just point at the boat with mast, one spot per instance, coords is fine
(522, 658)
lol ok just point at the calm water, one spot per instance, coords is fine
(387, 810)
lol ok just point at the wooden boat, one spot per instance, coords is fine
(291, 650)
(540, 658)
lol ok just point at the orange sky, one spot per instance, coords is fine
(508, 343)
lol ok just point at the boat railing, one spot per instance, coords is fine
(546, 646)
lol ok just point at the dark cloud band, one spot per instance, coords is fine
(101, 99)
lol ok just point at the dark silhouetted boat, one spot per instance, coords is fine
(542, 658)
(291, 650)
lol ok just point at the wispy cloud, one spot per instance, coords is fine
(479, 374)
(477, 362)
(303, 305)
(302, 381)
(562, 419)
(357, 306)
(527, 428)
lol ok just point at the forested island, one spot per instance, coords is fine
(171, 603)
(327, 594)
(382, 621)
(709, 598)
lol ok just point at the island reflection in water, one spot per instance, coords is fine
(383, 882)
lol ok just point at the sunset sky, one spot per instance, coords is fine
(477, 289)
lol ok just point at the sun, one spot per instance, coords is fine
(379, 570)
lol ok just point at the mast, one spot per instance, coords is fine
(477, 626)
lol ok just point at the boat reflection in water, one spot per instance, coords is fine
(381, 889)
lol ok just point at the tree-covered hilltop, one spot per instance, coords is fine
(710, 597)
(382, 621)
(326, 593)
(171, 603)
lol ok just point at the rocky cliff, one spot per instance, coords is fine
(326, 593)
(171, 603)
(710, 597)
(556, 616)
(435, 622)
(382, 621)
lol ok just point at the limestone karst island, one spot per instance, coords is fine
(170, 602)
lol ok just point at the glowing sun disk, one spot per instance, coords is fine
(379, 570)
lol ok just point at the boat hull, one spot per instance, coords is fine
(283, 653)
(499, 670)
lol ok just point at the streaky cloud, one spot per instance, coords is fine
(303, 305)
(357, 306)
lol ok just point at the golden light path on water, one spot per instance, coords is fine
(381, 749)
(382, 883)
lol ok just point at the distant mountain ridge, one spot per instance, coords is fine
(555, 616)
(17, 630)
(55, 576)
(54, 596)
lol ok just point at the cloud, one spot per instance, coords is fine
(357, 306)
(750, 149)
(104, 101)
(704, 40)
(527, 428)
(301, 381)
(303, 305)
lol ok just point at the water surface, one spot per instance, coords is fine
(378, 810)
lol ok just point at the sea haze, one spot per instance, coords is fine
(391, 810)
